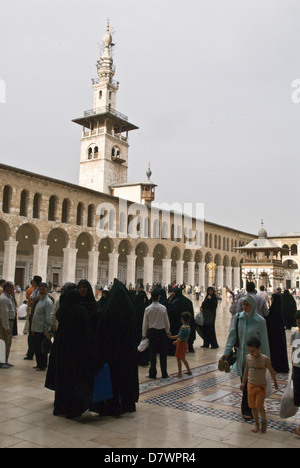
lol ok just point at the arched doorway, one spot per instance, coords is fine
(27, 236)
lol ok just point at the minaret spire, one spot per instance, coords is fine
(104, 143)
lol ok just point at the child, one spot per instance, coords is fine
(295, 342)
(182, 343)
(255, 373)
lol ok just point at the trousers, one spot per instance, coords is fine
(157, 345)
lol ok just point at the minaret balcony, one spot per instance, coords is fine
(105, 110)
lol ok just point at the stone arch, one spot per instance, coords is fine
(27, 236)
(175, 256)
(106, 246)
(58, 239)
(187, 256)
(234, 262)
(124, 249)
(141, 251)
(198, 257)
(84, 245)
(218, 260)
(159, 253)
(208, 257)
(5, 234)
(226, 261)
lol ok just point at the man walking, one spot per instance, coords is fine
(7, 319)
(156, 327)
(41, 324)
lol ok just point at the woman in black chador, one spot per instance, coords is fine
(178, 304)
(277, 337)
(87, 300)
(209, 309)
(117, 347)
(76, 360)
(289, 309)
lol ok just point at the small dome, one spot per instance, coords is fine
(262, 233)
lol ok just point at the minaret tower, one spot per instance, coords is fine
(104, 143)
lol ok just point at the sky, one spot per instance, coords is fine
(209, 83)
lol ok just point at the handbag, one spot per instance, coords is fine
(232, 358)
(102, 385)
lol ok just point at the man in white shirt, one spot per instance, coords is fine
(263, 293)
(156, 327)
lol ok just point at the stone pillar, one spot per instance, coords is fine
(228, 277)
(93, 267)
(166, 271)
(69, 265)
(148, 270)
(237, 277)
(113, 267)
(220, 280)
(201, 267)
(179, 271)
(131, 269)
(40, 260)
(9, 261)
(191, 273)
(211, 268)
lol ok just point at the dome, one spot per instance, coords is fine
(262, 233)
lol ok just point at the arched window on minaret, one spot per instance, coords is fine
(100, 94)
(90, 153)
(96, 151)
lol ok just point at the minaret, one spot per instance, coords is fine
(104, 143)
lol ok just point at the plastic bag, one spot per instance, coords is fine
(199, 319)
(143, 345)
(102, 385)
(287, 407)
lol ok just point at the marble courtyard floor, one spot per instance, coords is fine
(201, 411)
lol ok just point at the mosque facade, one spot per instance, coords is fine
(107, 227)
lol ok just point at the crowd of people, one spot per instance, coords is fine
(74, 337)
